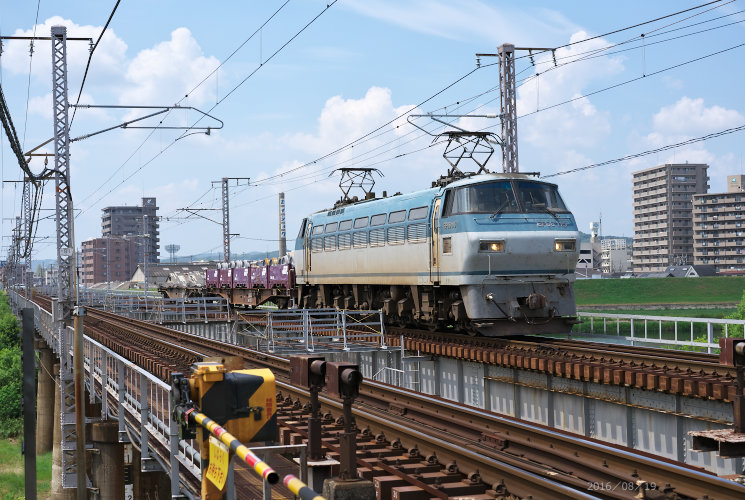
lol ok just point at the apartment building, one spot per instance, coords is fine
(662, 209)
(615, 255)
(140, 223)
(106, 259)
(718, 233)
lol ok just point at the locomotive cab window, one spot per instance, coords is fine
(377, 220)
(331, 228)
(398, 216)
(485, 198)
(360, 222)
(418, 213)
(345, 225)
(540, 197)
(318, 229)
(447, 206)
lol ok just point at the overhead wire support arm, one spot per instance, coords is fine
(127, 124)
(69, 39)
(193, 211)
(162, 109)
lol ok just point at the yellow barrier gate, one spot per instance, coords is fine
(242, 408)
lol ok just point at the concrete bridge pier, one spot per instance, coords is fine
(45, 414)
(107, 458)
(148, 485)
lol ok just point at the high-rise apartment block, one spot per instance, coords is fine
(139, 223)
(663, 221)
(718, 220)
(108, 259)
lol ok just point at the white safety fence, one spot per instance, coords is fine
(156, 308)
(310, 330)
(672, 332)
(126, 390)
(141, 402)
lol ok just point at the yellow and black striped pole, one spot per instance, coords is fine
(300, 489)
(292, 483)
(261, 467)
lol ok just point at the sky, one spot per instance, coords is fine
(302, 88)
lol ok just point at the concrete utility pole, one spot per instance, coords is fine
(225, 220)
(225, 183)
(146, 255)
(282, 232)
(108, 265)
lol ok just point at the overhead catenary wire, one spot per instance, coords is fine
(358, 140)
(648, 152)
(317, 174)
(574, 99)
(90, 56)
(30, 62)
(638, 25)
(269, 19)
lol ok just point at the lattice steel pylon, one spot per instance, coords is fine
(65, 252)
(28, 224)
(508, 107)
(225, 184)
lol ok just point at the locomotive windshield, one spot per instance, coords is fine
(504, 197)
(536, 196)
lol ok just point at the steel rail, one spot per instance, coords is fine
(633, 467)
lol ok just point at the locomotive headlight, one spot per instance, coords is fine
(491, 246)
(565, 245)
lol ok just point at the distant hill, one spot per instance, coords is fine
(217, 256)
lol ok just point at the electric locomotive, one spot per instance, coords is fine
(491, 254)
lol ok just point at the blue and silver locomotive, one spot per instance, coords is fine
(493, 254)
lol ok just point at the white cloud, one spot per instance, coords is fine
(575, 125)
(467, 19)
(686, 119)
(689, 117)
(107, 60)
(343, 120)
(165, 73)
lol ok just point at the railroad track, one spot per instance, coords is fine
(427, 447)
(672, 371)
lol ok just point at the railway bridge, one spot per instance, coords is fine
(437, 417)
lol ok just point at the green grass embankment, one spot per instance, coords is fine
(12, 473)
(673, 291)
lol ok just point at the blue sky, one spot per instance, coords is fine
(358, 66)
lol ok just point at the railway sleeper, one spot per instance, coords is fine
(397, 473)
